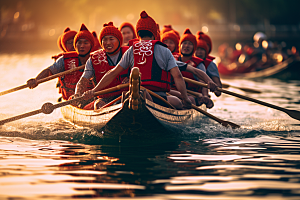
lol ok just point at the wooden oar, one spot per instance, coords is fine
(111, 103)
(48, 108)
(42, 80)
(225, 85)
(159, 97)
(222, 122)
(292, 113)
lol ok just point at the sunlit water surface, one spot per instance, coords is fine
(44, 157)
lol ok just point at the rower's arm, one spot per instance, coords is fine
(44, 74)
(32, 83)
(57, 67)
(81, 86)
(180, 85)
(199, 73)
(219, 84)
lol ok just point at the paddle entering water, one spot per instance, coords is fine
(222, 122)
(42, 80)
(226, 85)
(48, 108)
(292, 113)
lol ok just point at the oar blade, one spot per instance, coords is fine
(294, 114)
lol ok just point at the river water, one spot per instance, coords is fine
(45, 157)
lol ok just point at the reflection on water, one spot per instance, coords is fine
(45, 157)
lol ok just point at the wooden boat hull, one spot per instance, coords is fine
(148, 120)
(288, 69)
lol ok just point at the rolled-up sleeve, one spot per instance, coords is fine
(212, 70)
(89, 71)
(58, 66)
(127, 59)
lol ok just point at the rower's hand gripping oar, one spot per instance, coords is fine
(48, 108)
(292, 113)
(42, 80)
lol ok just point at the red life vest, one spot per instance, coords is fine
(194, 61)
(152, 76)
(207, 62)
(210, 57)
(68, 82)
(101, 66)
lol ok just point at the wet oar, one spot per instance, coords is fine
(292, 113)
(222, 122)
(42, 80)
(225, 85)
(48, 108)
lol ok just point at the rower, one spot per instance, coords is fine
(128, 33)
(211, 68)
(100, 62)
(171, 39)
(83, 42)
(155, 62)
(65, 42)
(187, 47)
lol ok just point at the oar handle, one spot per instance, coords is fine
(238, 95)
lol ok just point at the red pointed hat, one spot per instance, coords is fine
(67, 35)
(59, 44)
(166, 28)
(84, 33)
(187, 35)
(110, 29)
(96, 41)
(171, 35)
(207, 39)
(127, 24)
(146, 23)
(202, 44)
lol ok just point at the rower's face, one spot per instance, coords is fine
(110, 43)
(70, 45)
(200, 53)
(83, 46)
(170, 44)
(127, 34)
(187, 47)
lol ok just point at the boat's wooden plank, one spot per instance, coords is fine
(150, 117)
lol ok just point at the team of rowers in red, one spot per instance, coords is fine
(163, 59)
